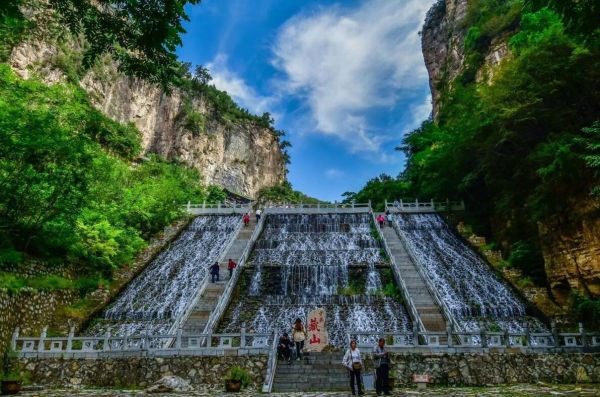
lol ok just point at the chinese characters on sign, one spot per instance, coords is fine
(316, 330)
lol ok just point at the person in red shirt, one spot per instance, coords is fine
(246, 219)
(230, 266)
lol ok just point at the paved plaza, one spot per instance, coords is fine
(539, 390)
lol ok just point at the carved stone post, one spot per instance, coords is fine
(70, 339)
(41, 343)
(243, 336)
(15, 336)
(449, 332)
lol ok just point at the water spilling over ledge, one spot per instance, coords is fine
(164, 289)
(302, 262)
(465, 283)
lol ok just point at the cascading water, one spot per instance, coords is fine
(162, 292)
(302, 262)
(471, 291)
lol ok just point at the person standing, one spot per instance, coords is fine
(382, 368)
(353, 362)
(230, 266)
(246, 219)
(380, 220)
(214, 271)
(258, 213)
(388, 217)
(299, 336)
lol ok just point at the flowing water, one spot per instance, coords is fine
(302, 262)
(162, 292)
(475, 296)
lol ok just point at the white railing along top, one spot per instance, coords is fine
(218, 208)
(407, 298)
(151, 342)
(424, 206)
(221, 306)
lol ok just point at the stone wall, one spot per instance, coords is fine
(496, 368)
(30, 310)
(140, 372)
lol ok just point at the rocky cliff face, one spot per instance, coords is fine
(571, 249)
(443, 38)
(240, 157)
(572, 255)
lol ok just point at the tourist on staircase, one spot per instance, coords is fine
(284, 349)
(380, 220)
(388, 217)
(258, 213)
(214, 271)
(298, 335)
(230, 266)
(382, 368)
(246, 219)
(353, 362)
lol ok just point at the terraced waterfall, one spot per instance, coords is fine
(323, 260)
(474, 295)
(162, 292)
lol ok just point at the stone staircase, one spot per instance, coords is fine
(315, 372)
(430, 313)
(200, 314)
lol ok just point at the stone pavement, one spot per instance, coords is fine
(540, 390)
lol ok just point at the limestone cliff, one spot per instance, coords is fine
(571, 248)
(242, 157)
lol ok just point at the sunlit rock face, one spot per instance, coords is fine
(241, 157)
(572, 256)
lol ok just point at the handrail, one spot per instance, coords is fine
(434, 293)
(190, 307)
(407, 298)
(271, 366)
(219, 309)
(424, 206)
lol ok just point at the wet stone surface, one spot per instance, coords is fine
(539, 390)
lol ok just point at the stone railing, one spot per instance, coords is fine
(424, 206)
(271, 366)
(207, 344)
(581, 341)
(414, 314)
(218, 209)
(320, 208)
(225, 297)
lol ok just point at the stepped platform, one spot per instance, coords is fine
(315, 372)
(198, 318)
(431, 315)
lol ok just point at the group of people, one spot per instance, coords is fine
(382, 218)
(246, 217)
(284, 349)
(214, 269)
(352, 360)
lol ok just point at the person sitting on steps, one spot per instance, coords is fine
(284, 349)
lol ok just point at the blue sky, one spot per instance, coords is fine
(344, 79)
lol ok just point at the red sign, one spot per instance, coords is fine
(420, 378)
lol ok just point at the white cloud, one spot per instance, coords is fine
(226, 80)
(334, 173)
(345, 63)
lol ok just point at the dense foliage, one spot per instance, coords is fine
(68, 190)
(522, 146)
(281, 194)
(141, 35)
